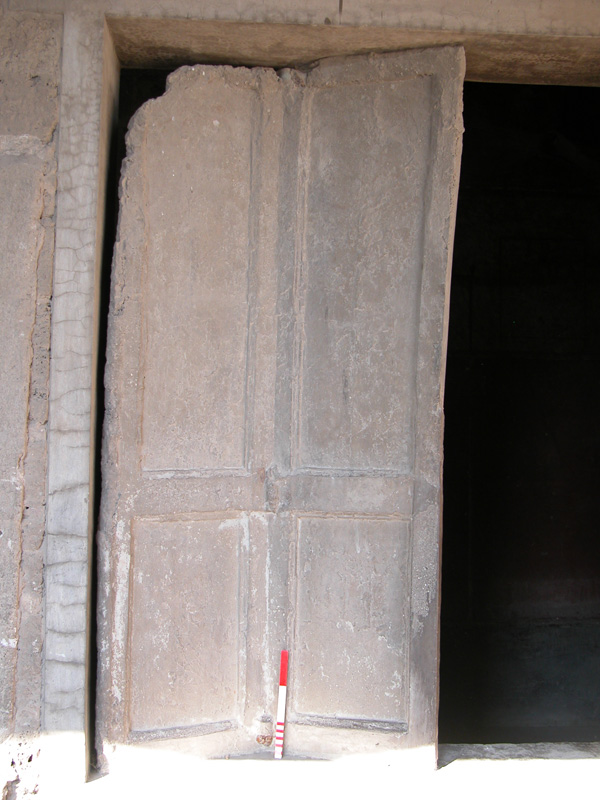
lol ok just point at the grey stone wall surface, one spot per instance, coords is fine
(29, 79)
(271, 459)
(30, 74)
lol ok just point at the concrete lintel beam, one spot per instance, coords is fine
(501, 57)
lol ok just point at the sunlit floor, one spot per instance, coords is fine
(484, 771)
(465, 771)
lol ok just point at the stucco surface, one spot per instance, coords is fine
(29, 77)
(20, 210)
(570, 17)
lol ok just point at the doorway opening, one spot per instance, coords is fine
(520, 625)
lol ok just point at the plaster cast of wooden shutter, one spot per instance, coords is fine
(273, 437)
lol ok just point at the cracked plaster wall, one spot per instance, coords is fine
(88, 90)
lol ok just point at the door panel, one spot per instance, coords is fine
(272, 444)
(194, 398)
(361, 228)
(188, 597)
(351, 620)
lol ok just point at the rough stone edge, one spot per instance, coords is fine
(438, 223)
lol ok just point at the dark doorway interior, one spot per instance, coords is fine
(520, 651)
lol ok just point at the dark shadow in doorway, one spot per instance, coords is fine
(520, 641)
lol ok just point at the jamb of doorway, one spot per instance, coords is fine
(154, 47)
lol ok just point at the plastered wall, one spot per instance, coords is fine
(29, 86)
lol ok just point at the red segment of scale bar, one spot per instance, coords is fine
(283, 669)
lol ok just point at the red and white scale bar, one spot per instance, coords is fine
(280, 724)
